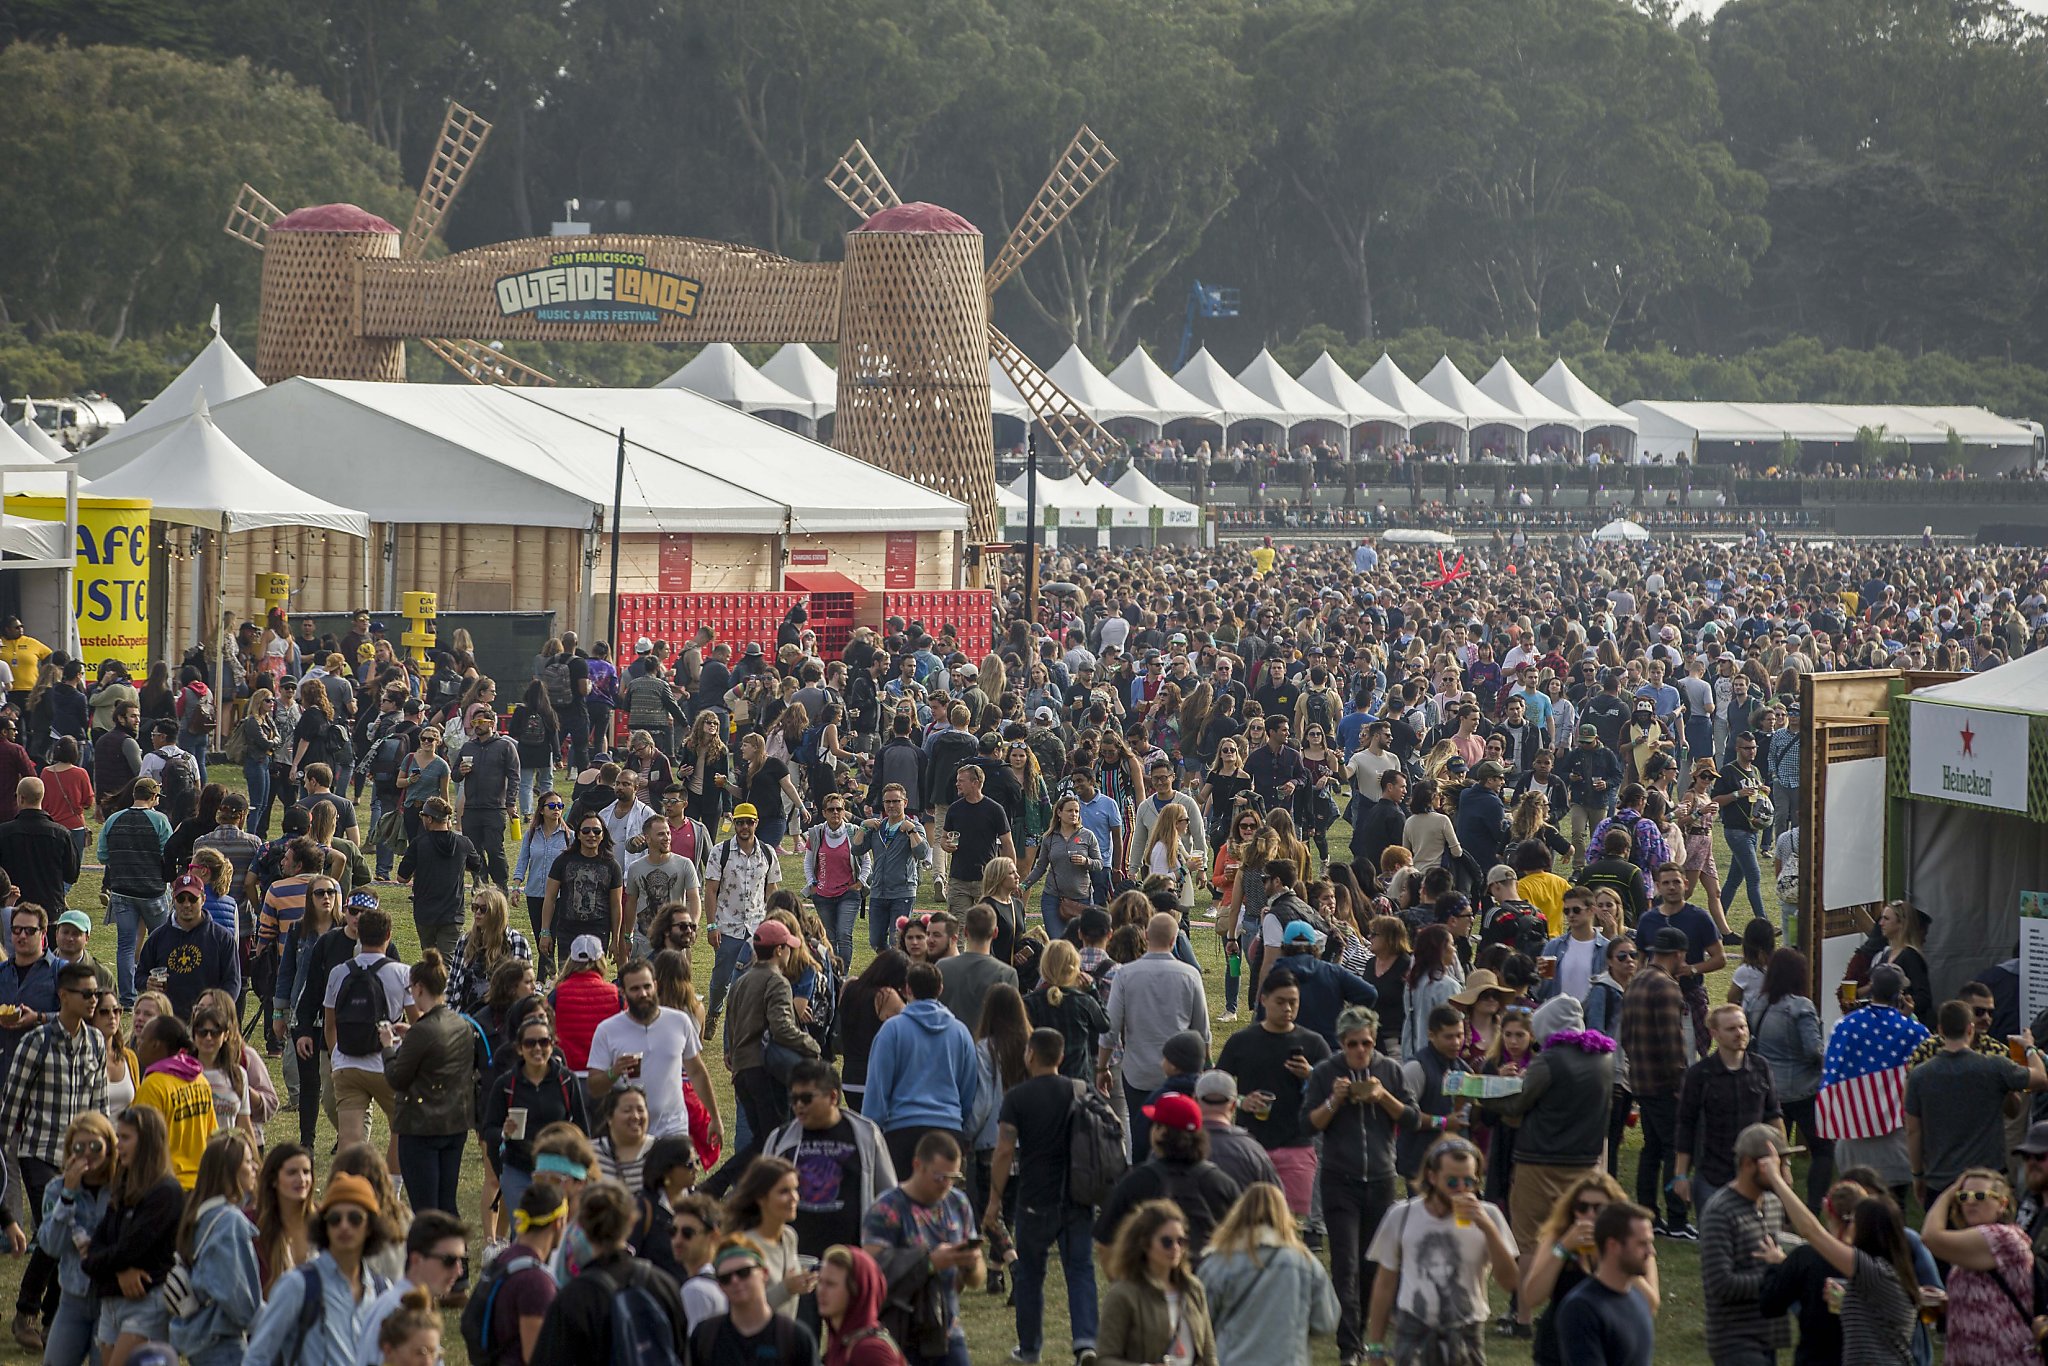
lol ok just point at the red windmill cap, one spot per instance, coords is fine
(332, 218)
(917, 217)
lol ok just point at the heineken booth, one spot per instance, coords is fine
(1968, 831)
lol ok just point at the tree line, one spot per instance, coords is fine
(1857, 178)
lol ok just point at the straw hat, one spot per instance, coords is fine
(1482, 982)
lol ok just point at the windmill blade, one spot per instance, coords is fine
(482, 364)
(860, 184)
(462, 136)
(250, 218)
(1080, 169)
(1080, 439)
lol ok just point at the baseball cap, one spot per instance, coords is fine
(1500, 873)
(1220, 1087)
(1759, 1139)
(1300, 932)
(745, 812)
(771, 934)
(1670, 939)
(1487, 768)
(145, 789)
(586, 948)
(643, 646)
(1044, 714)
(79, 920)
(1175, 1110)
(1589, 732)
(185, 883)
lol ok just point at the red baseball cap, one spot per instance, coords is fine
(1176, 1111)
(189, 883)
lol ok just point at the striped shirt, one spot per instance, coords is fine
(55, 1077)
(1732, 1232)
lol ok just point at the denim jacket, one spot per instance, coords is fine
(226, 1279)
(62, 1218)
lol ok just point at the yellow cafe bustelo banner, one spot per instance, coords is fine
(110, 585)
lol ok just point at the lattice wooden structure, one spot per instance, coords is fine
(344, 290)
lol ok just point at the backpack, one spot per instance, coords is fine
(642, 1332)
(180, 784)
(198, 712)
(1516, 926)
(533, 731)
(387, 756)
(1317, 713)
(337, 751)
(810, 746)
(360, 1005)
(554, 676)
(236, 748)
(1097, 1149)
(646, 707)
(476, 1315)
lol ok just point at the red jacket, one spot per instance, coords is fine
(582, 1001)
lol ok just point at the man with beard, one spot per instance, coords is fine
(650, 1045)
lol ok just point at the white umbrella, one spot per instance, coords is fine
(1621, 529)
(1408, 535)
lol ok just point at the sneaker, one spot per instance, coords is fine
(997, 1281)
(1227, 1017)
(28, 1332)
(1312, 1239)
(1731, 936)
(1084, 1356)
(1024, 1358)
(1684, 1233)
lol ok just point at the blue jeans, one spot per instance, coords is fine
(534, 783)
(69, 1339)
(512, 1185)
(431, 1164)
(954, 1355)
(385, 853)
(1049, 911)
(839, 913)
(1744, 870)
(733, 952)
(882, 913)
(197, 745)
(1038, 1232)
(256, 773)
(128, 913)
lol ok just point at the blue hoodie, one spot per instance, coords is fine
(229, 1285)
(922, 1071)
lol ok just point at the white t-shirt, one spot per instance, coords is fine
(1442, 1267)
(1750, 979)
(397, 979)
(1577, 966)
(625, 827)
(1365, 769)
(664, 1046)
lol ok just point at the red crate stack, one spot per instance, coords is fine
(737, 619)
(967, 609)
(837, 605)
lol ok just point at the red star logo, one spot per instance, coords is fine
(1969, 738)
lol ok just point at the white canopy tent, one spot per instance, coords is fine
(1265, 377)
(1669, 428)
(16, 449)
(720, 372)
(1144, 380)
(1386, 382)
(216, 371)
(1095, 392)
(38, 441)
(1593, 412)
(1080, 504)
(1448, 385)
(1205, 378)
(1172, 513)
(1004, 398)
(798, 369)
(1327, 381)
(1504, 385)
(1621, 529)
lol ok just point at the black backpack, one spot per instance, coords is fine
(554, 676)
(180, 784)
(533, 731)
(1097, 1147)
(360, 1006)
(337, 751)
(387, 756)
(476, 1315)
(642, 1332)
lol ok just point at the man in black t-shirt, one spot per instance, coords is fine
(841, 1162)
(748, 1333)
(1736, 792)
(1270, 1063)
(977, 829)
(1032, 1128)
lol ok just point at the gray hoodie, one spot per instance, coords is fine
(1565, 1093)
(493, 777)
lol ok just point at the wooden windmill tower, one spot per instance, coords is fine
(310, 265)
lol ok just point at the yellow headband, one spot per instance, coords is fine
(522, 1222)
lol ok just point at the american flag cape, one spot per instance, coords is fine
(1863, 1077)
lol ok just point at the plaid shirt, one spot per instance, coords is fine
(55, 1078)
(1653, 1033)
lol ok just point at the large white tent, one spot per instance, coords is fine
(1387, 383)
(798, 369)
(1622, 529)
(216, 371)
(1326, 380)
(1564, 388)
(721, 373)
(39, 441)
(1095, 392)
(1447, 384)
(1265, 377)
(1079, 503)
(1210, 383)
(1172, 512)
(1144, 380)
(1003, 396)
(196, 476)
(1669, 429)
(1504, 385)
(16, 449)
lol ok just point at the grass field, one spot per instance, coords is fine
(990, 1324)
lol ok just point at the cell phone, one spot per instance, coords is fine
(977, 1242)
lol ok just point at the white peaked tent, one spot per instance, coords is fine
(1172, 513)
(1265, 378)
(1621, 529)
(1144, 380)
(1080, 504)
(1097, 394)
(37, 440)
(16, 449)
(1386, 382)
(1569, 392)
(1210, 383)
(1448, 385)
(1327, 381)
(720, 372)
(197, 476)
(216, 371)
(797, 369)
(1003, 398)
(1504, 385)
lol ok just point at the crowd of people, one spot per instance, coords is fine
(1449, 851)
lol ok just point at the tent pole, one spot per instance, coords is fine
(1031, 527)
(618, 497)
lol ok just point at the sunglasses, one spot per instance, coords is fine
(690, 1231)
(29, 930)
(1169, 1242)
(325, 891)
(451, 1260)
(743, 820)
(551, 806)
(1977, 1197)
(1461, 1183)
(589, 832)
(1588, 1206)
(345, 1218)
(740, 1274)
(801, 1098)
(536, 1042)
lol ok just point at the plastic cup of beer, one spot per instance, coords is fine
(2016, 1050)
(1546, 967)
